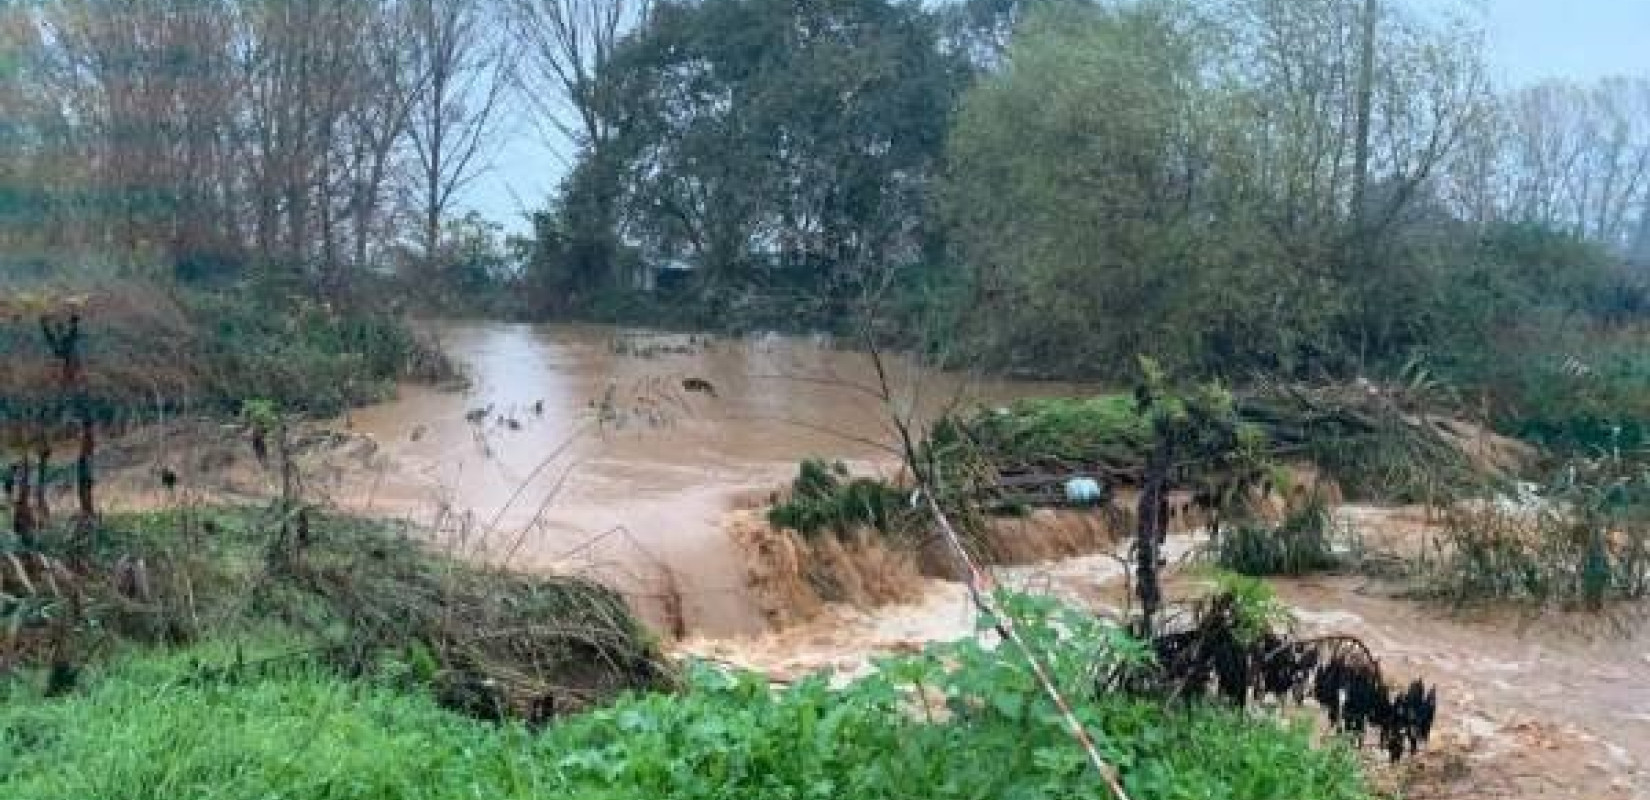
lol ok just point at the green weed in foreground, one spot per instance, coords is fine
(146, 733)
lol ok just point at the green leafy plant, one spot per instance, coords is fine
(824, 498)
(1300, 545)
(986, 733)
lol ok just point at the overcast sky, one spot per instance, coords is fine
(1529, 40)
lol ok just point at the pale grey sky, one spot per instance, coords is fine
(1529, 40)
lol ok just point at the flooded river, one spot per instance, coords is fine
(631, 457)
(618, 453)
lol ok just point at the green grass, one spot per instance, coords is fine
(152, 730)
(1072, 429)
(364, 596)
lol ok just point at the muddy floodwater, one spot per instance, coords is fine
(618, 453)
(645, 460)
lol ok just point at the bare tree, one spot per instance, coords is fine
(566, 46)
(462, 72)
(1566, 155)
(380, 122)
(1354, 106)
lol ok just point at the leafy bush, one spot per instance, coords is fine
(1298, 546)
(958, 721)
(302, 355)
(1584, 394)
(824, 498)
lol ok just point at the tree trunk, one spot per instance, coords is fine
(1153, 513)
(1366, 103)
(43, 460)
(22, 511)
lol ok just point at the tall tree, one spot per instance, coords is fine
(769, 141)
(567, 49)
(462, 69)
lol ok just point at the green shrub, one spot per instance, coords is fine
(302, 355)
(1299, 546)
(824, 498)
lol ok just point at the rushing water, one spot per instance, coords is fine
(584, 448)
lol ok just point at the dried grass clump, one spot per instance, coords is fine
(493, 644)
(357, 596)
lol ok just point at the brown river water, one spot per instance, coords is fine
(578, 448)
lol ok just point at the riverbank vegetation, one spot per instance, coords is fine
(158, 349)
(266, 593)
(230, 209)
(955, 721)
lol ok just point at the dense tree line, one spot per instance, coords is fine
(1297, 186)
(1303, 184)
(1231, 186)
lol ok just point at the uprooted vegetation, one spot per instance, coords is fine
(1260, 469)
(1234, 644)
(1371, 442)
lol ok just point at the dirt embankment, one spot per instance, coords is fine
(796, 578)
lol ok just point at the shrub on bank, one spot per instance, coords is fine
(825, 499)
(1300, 545)
(150, 348)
